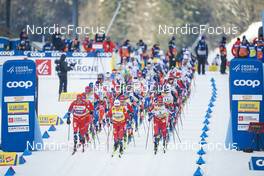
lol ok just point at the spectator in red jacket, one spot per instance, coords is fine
(108, 45)
(88, 44)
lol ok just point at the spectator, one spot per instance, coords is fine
(48, 46)
(62, 69)
(216, 60)
(201, 51)
(23, 35)
(172, 53)
(24, 45)
(74, 45)
(235, 48)
(125, 51)
(142, 50)
(243, 50)
(108, 45)
(88, 44)
(223, 54)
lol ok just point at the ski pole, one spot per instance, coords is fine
(69, 128)
(147, 136)
(108, 134)
(174, 129)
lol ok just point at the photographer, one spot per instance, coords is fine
(62, 69)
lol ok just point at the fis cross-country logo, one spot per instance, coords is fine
(20, 84)
(236, 68)
(247, 83)
(11, 70)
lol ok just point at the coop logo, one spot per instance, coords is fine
(7, 53)
(20, 84)
(257, 163)
(79, 54)
(248, 83)
(37, 54)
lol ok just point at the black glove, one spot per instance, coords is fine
(68, 121)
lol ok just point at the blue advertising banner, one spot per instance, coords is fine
(257, 163)
(98, 53)
(18, 105)
(246, 100)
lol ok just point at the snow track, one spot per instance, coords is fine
(178, 160)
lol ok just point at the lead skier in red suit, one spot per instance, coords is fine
(80, 110)
(89, 117)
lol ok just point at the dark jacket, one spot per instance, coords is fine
(201, 49)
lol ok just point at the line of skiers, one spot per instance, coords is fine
(132, 95)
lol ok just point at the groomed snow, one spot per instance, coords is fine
(136, 160)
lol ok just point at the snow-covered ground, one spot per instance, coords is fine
(180, 158)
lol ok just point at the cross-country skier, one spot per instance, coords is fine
(160, 116)
(80, 109)
(118, 116)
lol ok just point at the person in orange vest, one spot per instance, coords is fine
(235, 48)
(125, 51)
(108, 45)
(243, 51)
(118, 116)
(260, 47)
(223, 54)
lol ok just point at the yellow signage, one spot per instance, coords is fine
(17, 108)
(47, 120)
(8, 158)
(248, 106)
(68, 96)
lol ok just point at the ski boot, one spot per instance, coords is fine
(164, 145)
(121, 150)
(75, 144)
(115, 148)
(156, 143)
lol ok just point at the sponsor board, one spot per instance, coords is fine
(68, 96)
(256, 163)
(43, 66)
(17, 108)
(9, 99)
(242, 127)
(15, 120)
(246, 118)
(8, 158)
(247, 97)
(47, 120)
(16, 129)
(248, 106)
